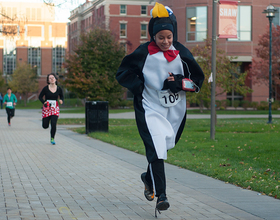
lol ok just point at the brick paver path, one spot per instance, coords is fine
(81, 178)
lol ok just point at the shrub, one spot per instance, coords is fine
(236, 103)
(218, 104)
(275, 105)
(225, 103)
(254, 105)
(245, 104)
(207, 103)
(229, 104)
(124, 104)
(263, 105)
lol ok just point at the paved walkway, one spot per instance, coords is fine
(82, 178)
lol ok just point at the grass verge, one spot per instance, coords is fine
(245, 152)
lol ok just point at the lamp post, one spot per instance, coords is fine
(213, 70)
(270, 13)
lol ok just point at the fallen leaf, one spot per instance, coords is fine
(268, 170)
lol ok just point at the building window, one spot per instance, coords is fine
(122, 30)
(276, 19)
(144, 31)
(123, 9)
(34, 58)
(196, 23)
(58, 56)
(9, 57)
(244, 24)
(234, 95)
(143, 10)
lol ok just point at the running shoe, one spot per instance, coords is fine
(52, 141)
(148, 191)
(162, 204)
(9, 124)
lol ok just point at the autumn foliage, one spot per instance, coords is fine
(228, 77)
(260, 65)
(24, 80)
(91, 68)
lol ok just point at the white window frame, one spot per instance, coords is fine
(145, 10)
(276, 19)
(146, 24)
(123, 23)
(123, 13)
(239, 23)
(196, 32)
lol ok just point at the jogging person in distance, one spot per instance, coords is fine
(10, 100)
(50, 110)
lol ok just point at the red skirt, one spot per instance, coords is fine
(48, 111)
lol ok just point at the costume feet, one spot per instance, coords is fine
(162, 204)
(148, 191)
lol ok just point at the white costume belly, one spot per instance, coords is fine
(163, 122)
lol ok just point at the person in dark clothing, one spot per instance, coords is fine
(50, 110)
(159, 73)
(1, 100)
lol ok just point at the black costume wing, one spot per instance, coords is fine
(130, 73)
(197, 75)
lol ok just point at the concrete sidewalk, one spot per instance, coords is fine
(82, 178)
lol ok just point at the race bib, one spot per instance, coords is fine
(9, 104)
(168, 99)
(52, 103)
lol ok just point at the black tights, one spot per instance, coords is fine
(46, 122)
(156, 175)
(10, 113)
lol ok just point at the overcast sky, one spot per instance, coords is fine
(62, 12)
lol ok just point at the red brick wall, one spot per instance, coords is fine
(22, 54)
(133, 24)
(46, 56)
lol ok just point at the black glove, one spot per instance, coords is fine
(174, 86)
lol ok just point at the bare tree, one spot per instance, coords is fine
(12, 24)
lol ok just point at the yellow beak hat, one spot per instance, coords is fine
(159, 11)
(161, 18)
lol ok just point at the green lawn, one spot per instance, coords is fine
(234, 112)
(82, 110)
(245, 152)
(75, 106)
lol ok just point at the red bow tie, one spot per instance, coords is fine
(170, 55)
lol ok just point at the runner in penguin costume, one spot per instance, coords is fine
(159, 73)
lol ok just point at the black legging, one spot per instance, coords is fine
(156, 175)
(46, 122)
(10, 113)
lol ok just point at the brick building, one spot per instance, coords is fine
(126, 19)
(38, 39)
(195, 23)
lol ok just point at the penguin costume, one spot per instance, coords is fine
(159, 74)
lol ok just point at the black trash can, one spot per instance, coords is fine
(97, 116)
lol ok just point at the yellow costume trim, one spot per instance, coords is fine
(160, 11)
